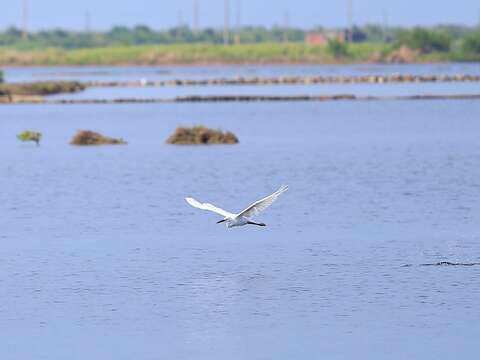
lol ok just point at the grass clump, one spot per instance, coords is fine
(471, 44)
(337, 48)
(87, 137)
(29, 135)
(200, 135)
(426, 41)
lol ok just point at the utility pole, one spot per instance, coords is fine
(24, 19)
(195, 17)
(178, 30)
(286, 25)
(179, 18)
(385, 25)
(87, 21)
(350, 20)
(226, 21)
(238, 21)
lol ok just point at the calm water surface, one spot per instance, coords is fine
(389, 89)
(102, 258)
(109, 73)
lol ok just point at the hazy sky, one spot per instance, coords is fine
(304, 13)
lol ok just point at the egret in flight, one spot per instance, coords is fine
(244, 217)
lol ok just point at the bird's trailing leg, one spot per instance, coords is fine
(221, 221)
(254, 223)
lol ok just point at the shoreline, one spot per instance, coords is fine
(6, 66)
(179, 64)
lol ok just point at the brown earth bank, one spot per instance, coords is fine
(35, 91)
(41, 88)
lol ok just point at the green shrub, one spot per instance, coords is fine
(337, 48)
(471, 43)
(1, 76)
(28, 135)
(425, 40)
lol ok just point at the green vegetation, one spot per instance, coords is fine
(201, 135)
(141, 35)
(143, 46)
(87, 137)
(1, 76)
(28, 135)
(471, 44)
(337, 49)
(189, 54)
(427, 41)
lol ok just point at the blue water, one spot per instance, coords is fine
(109, 73)
(102, 258)
(381, 90)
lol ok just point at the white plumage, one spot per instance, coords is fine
(244, 217)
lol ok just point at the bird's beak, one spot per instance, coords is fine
(219, 222)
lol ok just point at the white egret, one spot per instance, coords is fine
(244, 217)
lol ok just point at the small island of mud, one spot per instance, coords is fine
(200, 135)
(87, 137)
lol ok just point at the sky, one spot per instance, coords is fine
(161, 14)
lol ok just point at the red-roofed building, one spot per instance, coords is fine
(323, 37)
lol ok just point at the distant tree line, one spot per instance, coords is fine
(442, 38)
(142, 35)
(434, 39)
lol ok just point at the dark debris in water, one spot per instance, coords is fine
(446, 263)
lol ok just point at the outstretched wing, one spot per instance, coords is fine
(262, 204)
(208, 207)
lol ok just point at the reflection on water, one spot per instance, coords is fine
(102, 257)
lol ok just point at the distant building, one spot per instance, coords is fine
(315, 39)
(322, 38)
